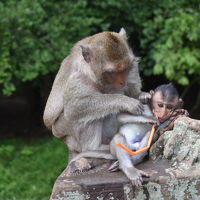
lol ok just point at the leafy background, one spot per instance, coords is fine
(35, 36)
(28, 169)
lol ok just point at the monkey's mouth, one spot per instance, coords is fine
(162, 119)
(120, 88)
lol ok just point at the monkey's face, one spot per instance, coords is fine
(116, 79)
(162, 108)
(109, 58)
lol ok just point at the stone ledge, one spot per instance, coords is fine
(174, 174)
(104, 185)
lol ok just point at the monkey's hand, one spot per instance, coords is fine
(178, 112)
(134, 107)
(145, 97)
(174, 116)
(135, 175)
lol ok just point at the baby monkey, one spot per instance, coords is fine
(165, 105)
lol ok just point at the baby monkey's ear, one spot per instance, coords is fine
(151, 92)
(180, 103)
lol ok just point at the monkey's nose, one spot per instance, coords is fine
(162, 115)
(121, 85)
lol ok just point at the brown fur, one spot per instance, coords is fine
(81, 99)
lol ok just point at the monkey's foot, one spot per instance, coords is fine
(114, 167)
(135, 175)
(77, 167)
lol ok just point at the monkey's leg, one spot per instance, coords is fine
(89, 146)
(139, 157)
(59, 127)
(94, 154)
(125, 162)
(72, 155)
(80, 164)
(104, 147)
(75, 165)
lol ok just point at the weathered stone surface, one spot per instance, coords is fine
(181, 146)
(174, 169)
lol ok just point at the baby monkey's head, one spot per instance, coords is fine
(165, 99)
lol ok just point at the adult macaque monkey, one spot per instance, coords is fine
(96, 81)
(134, 132)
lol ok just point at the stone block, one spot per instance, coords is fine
(174, 169)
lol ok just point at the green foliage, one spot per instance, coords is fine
(28, 170)
(35, 36)
(172, 40)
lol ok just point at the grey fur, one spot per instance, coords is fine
(77, 108)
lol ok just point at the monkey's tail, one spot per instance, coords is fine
(94, 154)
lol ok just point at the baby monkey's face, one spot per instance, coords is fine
(161, 107)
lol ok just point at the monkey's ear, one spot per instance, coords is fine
(151, 92)
(180, 103)
(122, 33)
(86, 52)
(137, 59)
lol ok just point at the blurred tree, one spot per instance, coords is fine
(36, 36)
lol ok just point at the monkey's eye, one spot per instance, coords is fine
(169, 107)
(110, 72)
(127, 69)
(160, 105)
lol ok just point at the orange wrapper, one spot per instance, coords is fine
(133, 153)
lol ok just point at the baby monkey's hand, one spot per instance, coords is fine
(176, 113)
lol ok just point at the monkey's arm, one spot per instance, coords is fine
(54, 105)
(164, 125)
(127, 118)
(101, 106)
(89, 104)
(169, 123)
(177, 113)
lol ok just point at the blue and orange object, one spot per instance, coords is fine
(133, 153)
